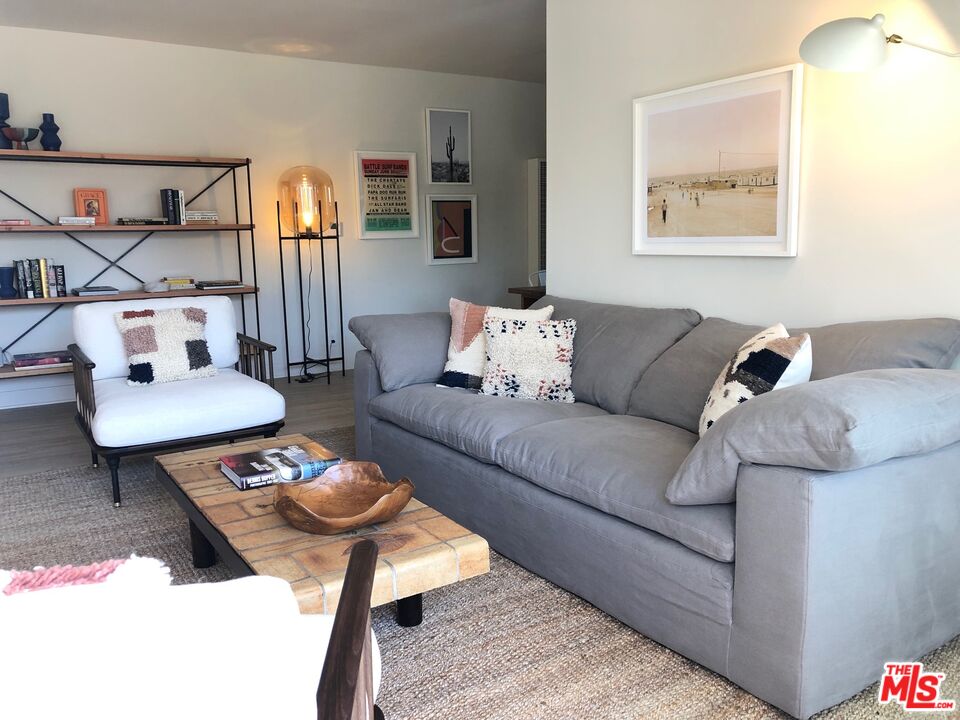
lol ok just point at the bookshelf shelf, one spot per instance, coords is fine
(127, 295)
(7, 371)
(218, 227)
(122, 159)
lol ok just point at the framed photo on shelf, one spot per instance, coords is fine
(451, 229)
(91, 202)
(448, 146)
(387, 200)
(716, 167)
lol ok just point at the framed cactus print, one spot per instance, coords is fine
(448, 147)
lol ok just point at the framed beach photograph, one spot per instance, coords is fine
(448, 146)
(451, 229)
(716, 167)
(387, 200)
(91, 202)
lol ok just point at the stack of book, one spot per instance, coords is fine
(180, 282)
(293, 463)
(53, 359)
(218, 284)
(14, 221)
(95, 290)
(142, 221)
(173, 207)
(40, 278)
(202, 217)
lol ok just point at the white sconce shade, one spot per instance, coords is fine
(847, 45)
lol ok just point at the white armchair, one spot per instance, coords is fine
(119, 419)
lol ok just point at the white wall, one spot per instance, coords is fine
(114, 95)
(879, 221)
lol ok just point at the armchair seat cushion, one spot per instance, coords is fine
(136, 415)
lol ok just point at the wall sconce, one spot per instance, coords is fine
(307, 204)
(853, 45)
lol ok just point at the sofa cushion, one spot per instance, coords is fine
(676, 386)
(465, 421)
(134, 415)
(408, 349)
(96, 332)
(620, 465)
(615, 344)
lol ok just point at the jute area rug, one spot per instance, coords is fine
(508, 645)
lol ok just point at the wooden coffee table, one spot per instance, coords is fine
(420, 549)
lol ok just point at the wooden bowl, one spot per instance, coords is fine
(347, 496)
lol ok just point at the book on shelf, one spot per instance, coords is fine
(54, 358)
(142, 221)
(182, 212)
(178, 279)
(293, 463)
(76, 220)
(35, 275)
(202, 222)
(201, 215)
(95, 290)
(14, 221)
(60, 276)
(24, 280)
(218, 284)
(171, 202)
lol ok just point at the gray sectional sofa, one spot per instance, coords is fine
(841, 552)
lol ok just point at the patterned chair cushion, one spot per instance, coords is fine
(165, 345)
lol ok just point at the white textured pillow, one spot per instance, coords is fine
(770, 360)
(530, 359)
(467, 352)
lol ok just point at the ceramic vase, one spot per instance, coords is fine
(5, 142)
(7, 290)
(49, 140)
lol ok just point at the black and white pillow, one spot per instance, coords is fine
(770, 360)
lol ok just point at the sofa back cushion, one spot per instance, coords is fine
(615, 345)
(95, 331)
(676, 386)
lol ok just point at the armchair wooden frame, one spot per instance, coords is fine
(345, 691)
(256, 361)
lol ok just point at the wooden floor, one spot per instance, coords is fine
(45, 437)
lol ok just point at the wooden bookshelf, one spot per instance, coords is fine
(7, 371)
(126, 295)
(122, 159)
(218, 227)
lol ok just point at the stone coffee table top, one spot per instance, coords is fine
(420, 549)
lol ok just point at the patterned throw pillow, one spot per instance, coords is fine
(467, 352)
(165, 345)
(770, 360)
(529, 359)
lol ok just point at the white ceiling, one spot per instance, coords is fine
(493, 38)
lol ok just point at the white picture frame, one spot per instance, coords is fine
(441, 123)
(376, 191)
(733, 119)
(433, 241)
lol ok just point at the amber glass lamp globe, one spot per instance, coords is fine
(306, 201)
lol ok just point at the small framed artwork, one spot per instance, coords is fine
(448, 146)
(451, 229)
(716, 167)
(91, 202)
(387, 200)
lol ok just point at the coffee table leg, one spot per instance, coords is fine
(410, 611)
(204, 555)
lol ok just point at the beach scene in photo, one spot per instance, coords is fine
(712, 169)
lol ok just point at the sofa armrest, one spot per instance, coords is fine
(840, 423)
(837, 573)
(83, 385)
(366, 386)
(407, 349)
(256, 359)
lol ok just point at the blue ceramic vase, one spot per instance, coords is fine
(7, 290)
(49, 140)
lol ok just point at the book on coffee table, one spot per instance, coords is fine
(293, 463)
